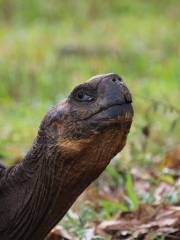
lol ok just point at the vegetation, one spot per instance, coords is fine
(47, 47)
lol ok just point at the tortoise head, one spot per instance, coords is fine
(98, 113)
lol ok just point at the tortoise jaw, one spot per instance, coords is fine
(120, 113)
(116, 118)
(116, 112)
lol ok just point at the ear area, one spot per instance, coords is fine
(51, 125)
(55, 114)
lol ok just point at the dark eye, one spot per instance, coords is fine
(83, 96)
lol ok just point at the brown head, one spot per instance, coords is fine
(93, 121)
(76, 141)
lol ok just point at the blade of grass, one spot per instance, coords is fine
(131, 192)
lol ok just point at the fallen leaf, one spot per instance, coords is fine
(59, 233)
(147, 221)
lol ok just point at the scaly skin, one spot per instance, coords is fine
(75, 142)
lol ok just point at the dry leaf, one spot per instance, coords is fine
(147, 221)
(59, 233)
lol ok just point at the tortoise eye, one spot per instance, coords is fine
(83, 96)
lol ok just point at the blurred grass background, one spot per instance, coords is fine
(47, 47)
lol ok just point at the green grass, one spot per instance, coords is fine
(144, 37)
(48, 47)
(138, 40)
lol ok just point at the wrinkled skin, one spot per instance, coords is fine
(76, 141)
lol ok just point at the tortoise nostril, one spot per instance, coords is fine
(119, 78)
(116, 79)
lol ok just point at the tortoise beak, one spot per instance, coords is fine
(115, 99)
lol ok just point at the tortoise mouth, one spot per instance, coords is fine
(121, 112)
